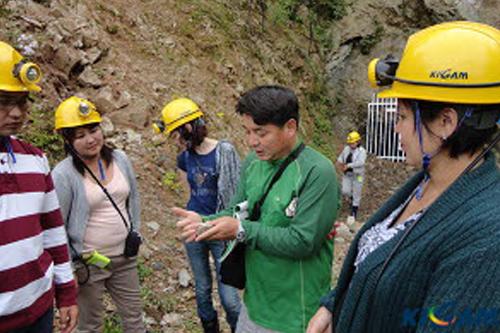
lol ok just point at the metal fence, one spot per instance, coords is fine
(381, 139)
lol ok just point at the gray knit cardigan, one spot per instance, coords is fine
(73, 199)
(227, 162)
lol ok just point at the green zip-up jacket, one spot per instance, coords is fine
(288, 255)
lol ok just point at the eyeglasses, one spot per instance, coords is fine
(8, 103)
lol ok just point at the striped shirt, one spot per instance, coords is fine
(34, 260)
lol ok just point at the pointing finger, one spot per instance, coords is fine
(179, 212)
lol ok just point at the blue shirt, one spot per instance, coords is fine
(202, 177)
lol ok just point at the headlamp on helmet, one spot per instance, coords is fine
(454, 62)
(158, 126)
(17, 74)
(176, 113)
(75, 112)
(382, 72)
(28, 73)
(84, 109)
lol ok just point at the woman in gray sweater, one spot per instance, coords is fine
(96, 231)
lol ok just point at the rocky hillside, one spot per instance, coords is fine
(374, 29)
(131, 57)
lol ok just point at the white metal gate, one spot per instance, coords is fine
(381, 139)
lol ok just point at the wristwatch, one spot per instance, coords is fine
(241, 234)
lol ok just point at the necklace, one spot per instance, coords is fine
(199, 175)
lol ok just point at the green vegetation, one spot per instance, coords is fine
(192, 326)
(321, 109)
(368, 42)
(170, 180)
(112, 324)
(4, 11)
(163, 303)
(112, 29)
(282, 10)
(315, 15)
(143, 271)
(40, 132)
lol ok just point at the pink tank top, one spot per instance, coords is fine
(106, 231)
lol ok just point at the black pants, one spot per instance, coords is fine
(43, 324)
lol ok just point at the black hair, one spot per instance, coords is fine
(20, 98)
(477, 124)
(195, 137)
(69, 137)
(270, 104)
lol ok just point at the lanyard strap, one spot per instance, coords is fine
(337, 309)
(256, 211)
(8, 147)
(75, 155)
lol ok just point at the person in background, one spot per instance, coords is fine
(96, 231)
(351, 163)
(34, 261)
(211, 168)
(427, 260)
(288, 257)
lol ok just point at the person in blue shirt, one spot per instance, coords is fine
(211, 168)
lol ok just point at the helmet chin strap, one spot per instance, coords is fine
(426, 157)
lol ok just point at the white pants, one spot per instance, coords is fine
(351, 186)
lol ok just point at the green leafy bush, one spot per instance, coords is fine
(40, 133)
(170, 180)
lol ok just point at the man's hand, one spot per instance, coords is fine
(321, 322)
(188, 223)
(224, 228)
(68, 316)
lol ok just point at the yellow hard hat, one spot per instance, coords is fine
(16, 73)
(74, 112)
(177, 113)
(456, 62)
(353, 137)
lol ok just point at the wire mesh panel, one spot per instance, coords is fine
(381, 139)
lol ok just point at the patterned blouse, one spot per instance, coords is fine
(382, 232)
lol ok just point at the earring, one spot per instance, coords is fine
(444, 138)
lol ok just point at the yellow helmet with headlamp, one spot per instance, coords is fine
(439, 64)
(75, 112)
(178, 112)
(17, 74)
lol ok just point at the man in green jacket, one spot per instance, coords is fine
(288, 257)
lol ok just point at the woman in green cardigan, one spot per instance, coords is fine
(429, 259)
